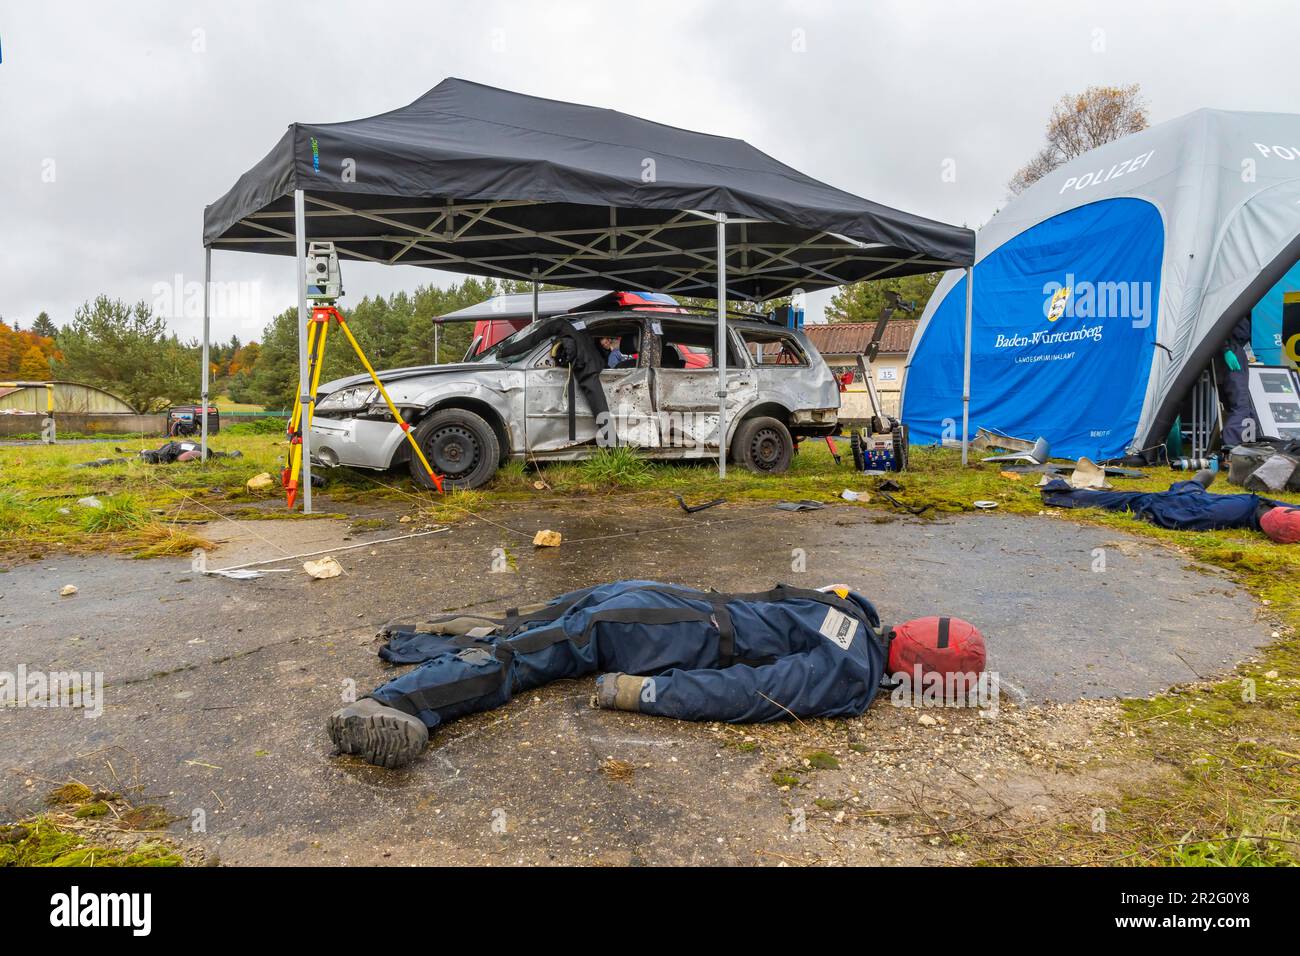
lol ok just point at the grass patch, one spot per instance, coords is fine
(1233, 851)
(121, 512)
(620, 466)
(254, 426)
(40, 486)
(78, 436)
(157, 540)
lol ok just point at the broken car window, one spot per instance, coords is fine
(689, 346)
(774, 348)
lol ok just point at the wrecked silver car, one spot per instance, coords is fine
(531, 396)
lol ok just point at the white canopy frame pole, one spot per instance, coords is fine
(304, 399)
(721, 351)
(534, 294)
(207, 329)
(965, 380)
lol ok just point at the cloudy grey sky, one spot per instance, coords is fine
(122, 120)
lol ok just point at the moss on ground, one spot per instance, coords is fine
(42, 842)
(85, 827)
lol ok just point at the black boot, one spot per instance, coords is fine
(379, 734)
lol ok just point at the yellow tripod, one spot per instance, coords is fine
(317, 333)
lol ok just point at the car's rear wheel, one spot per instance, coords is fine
(763, 445)
(460, 446)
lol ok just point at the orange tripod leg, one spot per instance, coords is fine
(397, 416)
(316, 337)
(835, 452)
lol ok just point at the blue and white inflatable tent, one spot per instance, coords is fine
(1103, 291)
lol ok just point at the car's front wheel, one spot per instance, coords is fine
(460, 446)
(763, 445)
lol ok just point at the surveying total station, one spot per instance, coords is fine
(324, 289)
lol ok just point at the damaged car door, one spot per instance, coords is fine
(686, 383)
(558, 417)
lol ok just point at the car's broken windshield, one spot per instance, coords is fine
(491, 353)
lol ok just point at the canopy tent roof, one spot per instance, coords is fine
(519, 305)
(1156, 244)
(513, 305)
(473, 179)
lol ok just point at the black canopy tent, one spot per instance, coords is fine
(478, 180)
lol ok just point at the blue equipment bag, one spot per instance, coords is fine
(663, 649)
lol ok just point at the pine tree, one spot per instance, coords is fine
(44, 326)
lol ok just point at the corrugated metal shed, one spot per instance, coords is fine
(69, 397)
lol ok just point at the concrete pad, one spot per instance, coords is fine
(217, 690)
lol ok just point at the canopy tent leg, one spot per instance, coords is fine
(965, 386)
(721, 351)
(534, 294)
(207, 330)
(437, 352)
(300, 245)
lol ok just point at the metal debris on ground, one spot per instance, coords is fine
(985, 440)
(804, 504)
(241, 574)
(1038, 454)
(1087, 474)
(915, 512)
(692, 509)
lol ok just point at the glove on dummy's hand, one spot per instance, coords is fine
(1230, 359)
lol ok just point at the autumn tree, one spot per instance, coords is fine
(1080, 122)
(35, 365)
(244, 358)
(16, 351)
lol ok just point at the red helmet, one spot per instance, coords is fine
(946, 645)
(1282, 525)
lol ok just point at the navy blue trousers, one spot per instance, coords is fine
(1186, 506)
